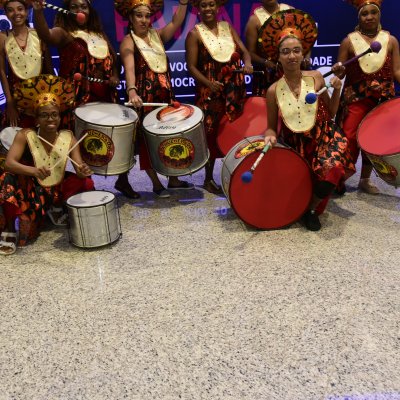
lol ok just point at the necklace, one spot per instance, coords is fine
(21, 40)
(371, 35)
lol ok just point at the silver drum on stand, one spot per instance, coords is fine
(176, 140)
(111, 129)
(93, 219)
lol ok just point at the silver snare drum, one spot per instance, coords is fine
(93, 219)
(109, 145)
(176, 140)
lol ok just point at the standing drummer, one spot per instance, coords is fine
(369, 81)
(261, 82)
(147, 70)
(213, 51)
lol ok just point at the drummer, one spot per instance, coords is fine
(307, 128)
(84, 50)
(211, 62)
(36, 182)
(369, 81)
(22, 55)
(261, 82)
(147, 72)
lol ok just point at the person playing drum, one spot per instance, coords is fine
(85, 50)
(369, 81)
(261, 82)
(307, 128)
(36, 182)
(22, 55)
(147, 69)
(214, 53)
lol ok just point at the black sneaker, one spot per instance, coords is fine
(311, 221)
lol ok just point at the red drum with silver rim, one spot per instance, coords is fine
(252, 122)
(280, 190)
(379, 137)
(176, 139)
(7, 136)
(109, 146)
(93, 219)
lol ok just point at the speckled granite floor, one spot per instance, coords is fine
(191, 304)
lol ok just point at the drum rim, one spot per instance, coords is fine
(363, 120)
(107, 126)
(159, 135)
(91, 206)
(281, 147)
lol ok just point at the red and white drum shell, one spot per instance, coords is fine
(7, 136)
(109, 146)
(280, 190)
(252, 122)
(176, 139)
(379, 137)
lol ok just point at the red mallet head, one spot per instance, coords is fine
(81, 18)
(176, 104)
(77, 77)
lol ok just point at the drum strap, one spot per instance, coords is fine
(371, 62)
(42, 158)
(96, 44)
(25, 63)
(296, 113)
(153, 53)
(220, 47)
(262, 14)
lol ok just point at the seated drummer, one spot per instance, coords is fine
(36, 182)
(307, 128)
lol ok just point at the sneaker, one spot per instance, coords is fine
(182, 186)
(311, 221)
(366, 186)
(161, 193)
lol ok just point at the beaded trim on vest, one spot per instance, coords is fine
(262, 14)
(371, 62)
(42, 158)
(96, 44)
(24, 63)
(221, 46)
(154, 54)
(296, 113)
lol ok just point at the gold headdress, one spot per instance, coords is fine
(43, 90)
(362, 3)
(125, 7)
(287, 23)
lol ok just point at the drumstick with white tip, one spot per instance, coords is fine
(174, 104)
(80, 17)
(248, 175)
(78, 77)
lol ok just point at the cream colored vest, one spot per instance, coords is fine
(220, 47)
(42, 158)
(262, 14)
(97, 45)
(153, 53)
(371, 62)
(297, 115)
(24, 63)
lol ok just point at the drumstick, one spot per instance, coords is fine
(248, 175)
(80, 17)
(311, 98)
(78, 77)
(174, 104)
(375, 47)
(52, 145)
(251, 73)
(69, 151)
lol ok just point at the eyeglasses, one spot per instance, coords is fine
(296, 51)
(53, 115)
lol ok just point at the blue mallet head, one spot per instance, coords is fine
(311, 98)
(247, 177)
(376, 47)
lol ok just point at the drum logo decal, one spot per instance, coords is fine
(249, 148)
(176, 153)
(97, 148)
(171, 114)
(386, 171)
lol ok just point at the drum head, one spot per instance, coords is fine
(170, 120)
(279, 192)
(252, 122)
(89, 199)
(106, 114)
(379, 131)
(7, 136)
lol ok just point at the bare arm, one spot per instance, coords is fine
(332, 101)
(248, 68)
(192, 56)
(343, 55)
(272, 116)
(251, 33)
(57, 37)
(169, 30)
(47, 63)
(395, 58)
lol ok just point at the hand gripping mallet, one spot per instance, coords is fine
(248, 175)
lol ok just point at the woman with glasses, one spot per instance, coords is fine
(307, 128)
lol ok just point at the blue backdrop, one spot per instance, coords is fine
(335, 20)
